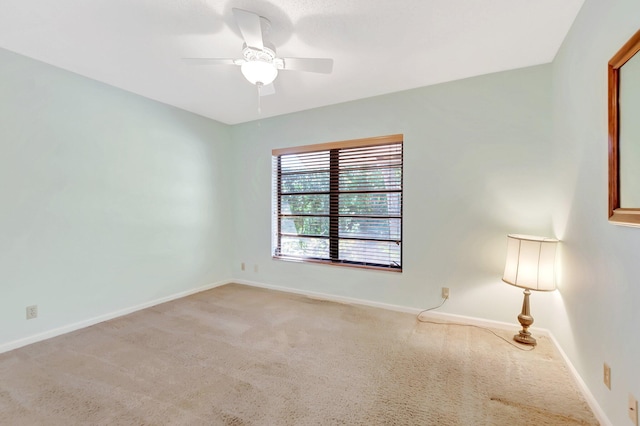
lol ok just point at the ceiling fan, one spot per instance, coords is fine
(259, 63)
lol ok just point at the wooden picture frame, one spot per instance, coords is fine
(628, 216)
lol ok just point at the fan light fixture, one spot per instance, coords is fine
(259, 72)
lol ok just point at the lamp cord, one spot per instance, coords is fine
(418, 317)
(432, 309)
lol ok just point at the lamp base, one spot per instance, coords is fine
(525, 320)
(527, 339)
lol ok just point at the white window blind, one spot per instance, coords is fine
(340, 203)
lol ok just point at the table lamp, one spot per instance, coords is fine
(530, 265)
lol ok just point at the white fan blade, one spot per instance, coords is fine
(321, 65)
(267, 90)
(250, 27)
(210, 61)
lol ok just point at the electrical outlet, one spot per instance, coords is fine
(255, 268)
(32, 312)
(607, 375)
(445, 292)
(633, 409)
(242, 266)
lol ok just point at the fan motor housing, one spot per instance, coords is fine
(267, 54)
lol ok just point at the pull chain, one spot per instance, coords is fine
(259, 98)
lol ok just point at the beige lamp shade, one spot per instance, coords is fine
(531, 262)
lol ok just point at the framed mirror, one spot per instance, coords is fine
(624, 134)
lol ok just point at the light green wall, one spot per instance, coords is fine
(476, 168)
(600, 283)
(107, 199)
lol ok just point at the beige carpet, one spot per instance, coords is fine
(237, 355)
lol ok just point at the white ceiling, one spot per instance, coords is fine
(378, 46)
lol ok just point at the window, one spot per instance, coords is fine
(340, 203)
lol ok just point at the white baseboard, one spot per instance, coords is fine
(588, 396)
(399, 308)
(101, 318)
(330, 297)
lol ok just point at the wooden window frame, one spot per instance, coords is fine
(334, 149)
